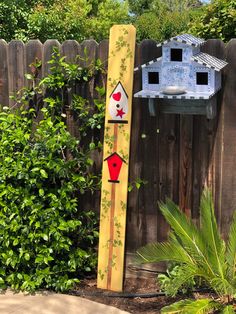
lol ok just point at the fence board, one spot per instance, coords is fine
(185, 162)
(167, 165)
(4, 83)
(229, 134)
(34, 52)
(70, 49)
(16, 53)
(217, 49)
(89, 51)
(48, 47)
(100, 81)
(147, 151)
(133, 214)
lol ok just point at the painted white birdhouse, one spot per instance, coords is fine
(182, 73)
(118, 105)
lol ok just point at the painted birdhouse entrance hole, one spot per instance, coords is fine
(184, 80)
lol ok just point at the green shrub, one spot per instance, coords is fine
(60, 19)
(167, 281)
(160, 20)
(217, 20)
(47, 240)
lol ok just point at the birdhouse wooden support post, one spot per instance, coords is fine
(116, 158)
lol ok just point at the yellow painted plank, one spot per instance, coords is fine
(116, 156)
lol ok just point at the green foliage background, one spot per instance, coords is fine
(47, 240)
(159, 19)
(218, 20)
(60, 19)
(85, 19)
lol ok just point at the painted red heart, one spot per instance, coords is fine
(117, 96)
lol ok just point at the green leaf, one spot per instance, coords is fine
(43, 173)
(35, 169)
(41, 192)
(82, 179)
(92, 146)
(90, 161)
(202, 306)
(29, 76)
(231, 249)
(130, 187)
(45, 237)
(19, 276)
(228, 309)
(15, 242)
(211, 234)
(27, 256)
(177, 307)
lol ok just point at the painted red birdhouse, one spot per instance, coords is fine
(114, 162)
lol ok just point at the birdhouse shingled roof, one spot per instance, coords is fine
(185, 39)
(209, 61)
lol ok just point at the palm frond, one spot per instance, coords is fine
(228, 309)
(211, 234)
(231, 250)
(165, 251)
(188, 234)
(202, 306)
(222, 286)
(199, 252)
(176, 308)
(182, 226)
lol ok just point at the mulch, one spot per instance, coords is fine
(133, 305)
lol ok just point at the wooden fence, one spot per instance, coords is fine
(177, 155)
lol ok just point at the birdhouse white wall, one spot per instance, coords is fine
(178, 52)
(217, 80)
(202, 79)
(151, 77)
(118, 104)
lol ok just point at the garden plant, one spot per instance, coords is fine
(47, 240)
(200, 253)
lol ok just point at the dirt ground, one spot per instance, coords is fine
(133, 305)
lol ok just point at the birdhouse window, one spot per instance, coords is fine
(153, 78)
(176, 54)
(202, 78)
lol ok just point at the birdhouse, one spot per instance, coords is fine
(118, 105)
(114, 162)
(184, 80)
